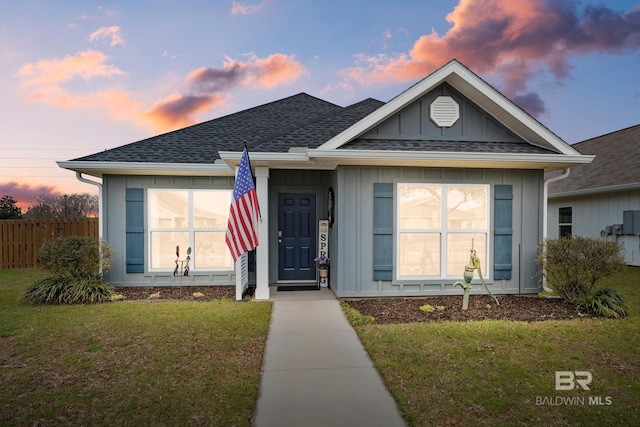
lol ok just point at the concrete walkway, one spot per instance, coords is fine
(316, 372)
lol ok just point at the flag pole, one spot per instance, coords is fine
(252, 177)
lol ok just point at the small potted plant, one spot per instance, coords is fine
(322, 264)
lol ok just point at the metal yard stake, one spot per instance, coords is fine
(182, 265)
(474, 264)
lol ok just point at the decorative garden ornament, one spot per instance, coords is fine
(182, 265)
(474, 264)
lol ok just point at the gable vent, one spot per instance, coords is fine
(445, 111)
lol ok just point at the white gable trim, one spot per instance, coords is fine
(473, 87)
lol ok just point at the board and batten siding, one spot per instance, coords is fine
(125, 228)
(363, 271)
(414, 122)
(592, 213)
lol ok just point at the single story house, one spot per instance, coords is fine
(602, 199)
(404, 188)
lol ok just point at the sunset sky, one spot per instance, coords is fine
(78, 77)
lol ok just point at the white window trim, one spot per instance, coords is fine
(443, 233)
(191, 230)
(570, 224)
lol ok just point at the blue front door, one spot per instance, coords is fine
(296, 236)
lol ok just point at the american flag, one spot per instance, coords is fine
(242, 228)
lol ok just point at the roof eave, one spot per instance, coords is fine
(98, 169)
(329, 159)
(633, 186)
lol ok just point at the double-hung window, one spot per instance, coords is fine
(437, 224)
(188, 218)
(565, 221)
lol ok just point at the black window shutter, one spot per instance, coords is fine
(502, 231)
(382, 231)
(135, 230)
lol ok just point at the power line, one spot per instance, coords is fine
(41, 149)
(37, 176)
(29, 158)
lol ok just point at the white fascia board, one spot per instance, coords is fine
(450, 158)
(98, 169)
(516, 112)
(232, 158)
(428, 83)
(634, 186)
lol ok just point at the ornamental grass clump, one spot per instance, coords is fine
(606, 302)
(573, 265)
(77, 265)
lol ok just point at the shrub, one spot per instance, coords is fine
(76, 264)
(572, 265)
(76, 257)
(571, 291)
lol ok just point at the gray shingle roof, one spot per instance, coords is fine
(617, 162)
(446, 146)
(300, 120)
(297, 121)
(317, 132)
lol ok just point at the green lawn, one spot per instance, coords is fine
(503, 373)
(198, 363)
(128, 363)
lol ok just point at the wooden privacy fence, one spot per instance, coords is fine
(22, 238)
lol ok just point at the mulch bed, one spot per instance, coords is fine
(163, 293)
(481, 307)
(396, 309)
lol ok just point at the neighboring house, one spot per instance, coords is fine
(601, 199)
(408, 186)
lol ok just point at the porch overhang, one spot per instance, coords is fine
(547, 162)
(329, 159)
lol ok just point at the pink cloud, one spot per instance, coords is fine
(111, 33)
(177, 111)
(86, 65)
(107, 11)
(206, 88)
(266, 72)
(238, 8)
(44, 81)
(269, 72)
(24, 193)
(511, 39)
